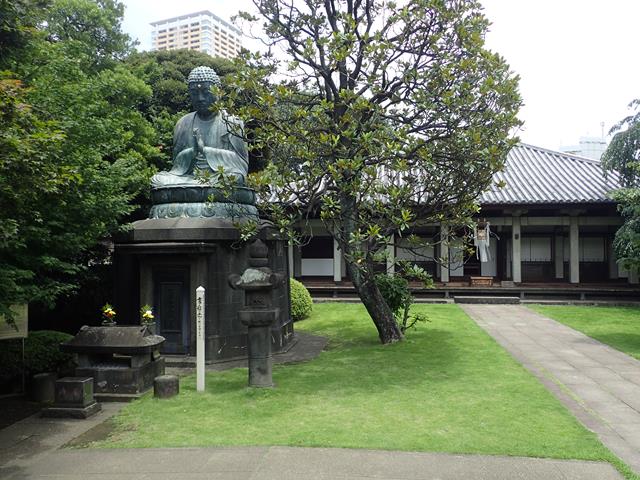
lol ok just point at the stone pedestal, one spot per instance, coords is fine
(162, 261)
(260, 363)
(166, 386)
(73, 399)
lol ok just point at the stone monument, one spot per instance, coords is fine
(121, 360)
(191, 236)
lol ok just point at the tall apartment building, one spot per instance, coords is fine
(202, 31)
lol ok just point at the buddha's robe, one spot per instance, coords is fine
(221, 144)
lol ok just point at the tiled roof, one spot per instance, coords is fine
(534, 175)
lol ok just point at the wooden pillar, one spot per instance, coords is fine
(516, 251)
(444, 253)
(391, 255)
(337, 262)
(611, 257)
(290, 259)
(297, 262)
(574, 250)
(558, 253)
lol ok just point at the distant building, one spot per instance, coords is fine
(588, 147)
(201, 31)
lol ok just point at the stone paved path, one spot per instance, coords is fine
(599, 384)
(286, 463)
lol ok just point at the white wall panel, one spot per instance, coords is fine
(536, 249)
(317, 267)
(592, 249)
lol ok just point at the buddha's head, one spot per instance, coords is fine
(200, 81)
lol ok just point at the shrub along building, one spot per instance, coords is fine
(551, 223)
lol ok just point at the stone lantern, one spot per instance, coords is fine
(258, 313)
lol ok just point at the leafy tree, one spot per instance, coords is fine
(18, 21)
(67, 182)
(93, 26)
(384, 116)
(623, 155)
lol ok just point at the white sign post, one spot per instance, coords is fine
(200, 339)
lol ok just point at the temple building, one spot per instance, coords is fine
(551, 225)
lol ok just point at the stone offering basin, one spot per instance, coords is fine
(123, 361)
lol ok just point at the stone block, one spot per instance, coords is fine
(166, 386)
(73, 399)
(74, 391)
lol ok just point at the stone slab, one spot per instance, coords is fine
(487, 300)
(282, 463)
(72, 412)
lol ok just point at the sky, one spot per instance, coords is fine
(577, 59)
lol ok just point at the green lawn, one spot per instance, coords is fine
(449, 388)
(618, 327)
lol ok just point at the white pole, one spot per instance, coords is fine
(200, 339)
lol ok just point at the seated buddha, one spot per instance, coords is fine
(205, 140)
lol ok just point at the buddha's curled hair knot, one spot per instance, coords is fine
(203, 74)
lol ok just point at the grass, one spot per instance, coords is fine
(448, 388)
(618, 327)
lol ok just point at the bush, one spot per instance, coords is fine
(397, 296)
(41, 354)
(301, 303)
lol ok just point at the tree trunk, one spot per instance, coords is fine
(364, 280)
(382, 316)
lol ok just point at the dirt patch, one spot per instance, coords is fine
(100, 432)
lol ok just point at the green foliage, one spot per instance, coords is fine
(397, 295)
(374, 126)
(301, 302)
(395, 291)
(623, 156)
(627, 240)
(68, 181)
(91, 29)
(18, 22)
(41, 354)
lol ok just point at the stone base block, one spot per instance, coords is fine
(119, 380)
(488, 300)
(74, 392)
(72, 412)
(166, 386)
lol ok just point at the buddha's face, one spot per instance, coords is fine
(202, 97)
